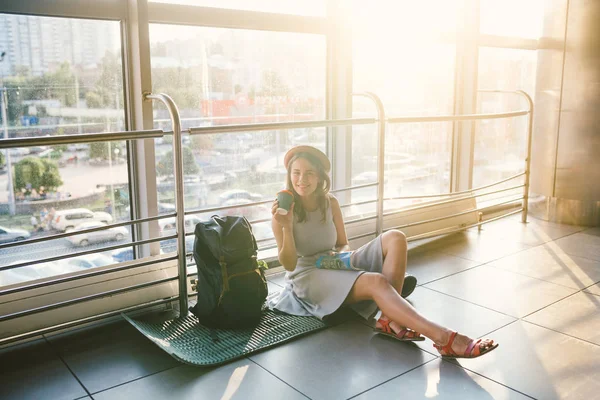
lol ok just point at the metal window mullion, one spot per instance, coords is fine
(91, 9)
(237, 19)
(138, 80)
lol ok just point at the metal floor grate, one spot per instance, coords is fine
(191, 343)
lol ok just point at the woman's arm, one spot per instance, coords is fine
(282, 226)
(341, 243)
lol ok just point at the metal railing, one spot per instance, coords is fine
(180, 213)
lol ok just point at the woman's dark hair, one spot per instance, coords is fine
(322, 190)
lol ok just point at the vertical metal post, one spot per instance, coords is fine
(380, 156)
(11, 191)
(180, 221)
(528, 159)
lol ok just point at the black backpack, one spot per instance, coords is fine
(231, 286)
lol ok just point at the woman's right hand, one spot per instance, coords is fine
(286, 221)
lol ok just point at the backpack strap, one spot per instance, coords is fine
(224, 276)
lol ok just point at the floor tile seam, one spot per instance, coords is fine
(364, 322)
(57, 354)
(528, 247)
(475, 304)
(391, 379)
(275, 376)
(500, 327)
(452, 274)
(560, 332)
(551, 304)
(136, 379)
(539, 279)
(454, 362)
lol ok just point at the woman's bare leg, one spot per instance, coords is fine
(395, 250)
(373, 286)
(395, 253)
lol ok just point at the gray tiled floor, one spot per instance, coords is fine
(534, 288)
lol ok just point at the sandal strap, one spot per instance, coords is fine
(471, 346)
(447, 348)
(385, 325)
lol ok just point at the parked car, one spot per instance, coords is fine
(8, 235)
(167, 225)
(36, 271)
(122, 255)
(239, 194)
(83, 239)
(89, 261)
(69, 219)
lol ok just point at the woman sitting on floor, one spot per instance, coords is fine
(313, 228)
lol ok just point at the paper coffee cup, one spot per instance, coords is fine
(285, 199)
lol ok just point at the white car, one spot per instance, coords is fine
(89, 261)
(167, 225)
(8, 235)
(69, 219)
(83, 239)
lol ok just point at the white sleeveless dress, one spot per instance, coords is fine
(320, 292)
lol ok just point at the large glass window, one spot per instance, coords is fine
(227, 76)
(514, 18)
(60, 76)
(402, 53)
(500, 144)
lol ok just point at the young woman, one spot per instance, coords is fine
(315, 227)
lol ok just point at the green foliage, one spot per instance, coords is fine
(52, 85)
(60, 147)
(165, 165)
(36, 172)
(2, 158)
(108, 89)
(100, 149)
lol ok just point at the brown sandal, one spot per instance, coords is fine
(404, 335)
(472, 351)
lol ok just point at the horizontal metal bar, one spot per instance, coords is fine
(358, 203)
(79, 138)
(500, 190)
(86, 275)
(508, 43)
(72, 233)
(433, 204)
(366, 185)
(455, 193)
(450, 216)
(445, 232)
(280, 125)
(83, 253)
(374, 233)
(82, 321)
(353, 221)
(83, 299)
(450, 118)
(207, 210)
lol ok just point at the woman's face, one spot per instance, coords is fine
(304, 177)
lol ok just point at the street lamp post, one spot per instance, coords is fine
(11, 193)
